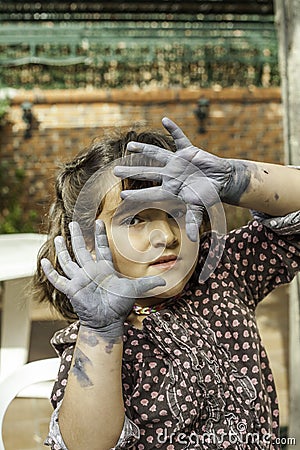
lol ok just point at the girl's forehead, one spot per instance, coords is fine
(115, 207)
(112, 200)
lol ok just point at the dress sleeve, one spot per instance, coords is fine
(64, 343)
(129, 435)
(265, 253)
(54, 438)
(286, 225)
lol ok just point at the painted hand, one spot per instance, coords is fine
(199, 178)
(100, 296)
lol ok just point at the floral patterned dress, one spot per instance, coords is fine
(197, 375)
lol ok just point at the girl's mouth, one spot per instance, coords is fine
(165, 262)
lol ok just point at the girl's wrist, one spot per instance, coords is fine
(238, 181)
(110, 332)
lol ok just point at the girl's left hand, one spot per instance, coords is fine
(101, 297)
(199, 178)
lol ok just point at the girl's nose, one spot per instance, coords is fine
(162, 235)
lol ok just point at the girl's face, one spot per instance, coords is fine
(149, 239)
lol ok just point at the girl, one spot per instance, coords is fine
(164, 351)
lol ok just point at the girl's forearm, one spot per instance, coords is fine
(92, 412)
(270, 188)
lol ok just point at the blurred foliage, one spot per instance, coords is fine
(199, 51)
(173, 65)
(4, 107)
(14, 218)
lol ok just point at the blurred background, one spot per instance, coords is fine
(71, 71)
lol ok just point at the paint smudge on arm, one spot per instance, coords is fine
(89, 337)
(239, 182)
(81, 361)
(92, 339)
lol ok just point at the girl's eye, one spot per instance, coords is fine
(176, 214)
(131, 221)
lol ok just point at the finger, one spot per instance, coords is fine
(180, 139)
(193, 219)
(152, 151)
(152, 194)
(139, 173)
(101, 242)
(68, 266)
(82, 255)
(58, 281)
(142, 285)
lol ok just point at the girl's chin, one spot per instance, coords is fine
(165, 291)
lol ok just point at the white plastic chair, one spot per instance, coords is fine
(34, 372)
(18, 256)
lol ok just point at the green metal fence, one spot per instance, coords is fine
(192, 50)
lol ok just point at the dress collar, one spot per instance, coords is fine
(146, 310)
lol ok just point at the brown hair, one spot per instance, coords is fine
(69, 183)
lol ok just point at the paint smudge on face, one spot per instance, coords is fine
(79, 368)
(276, 196)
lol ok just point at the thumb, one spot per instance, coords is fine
(142, 285)
(193, 219)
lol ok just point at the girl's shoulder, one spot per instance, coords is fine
(250, 232)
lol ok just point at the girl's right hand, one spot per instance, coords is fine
(100, 296)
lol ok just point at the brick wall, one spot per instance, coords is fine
(242, 123)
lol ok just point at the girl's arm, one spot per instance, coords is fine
(202, 179)
(272, 189)
(92, 413)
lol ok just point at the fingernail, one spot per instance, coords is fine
(131, 146)
(99, 223)
(58, 240)
(124, 194)
(162, 282)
